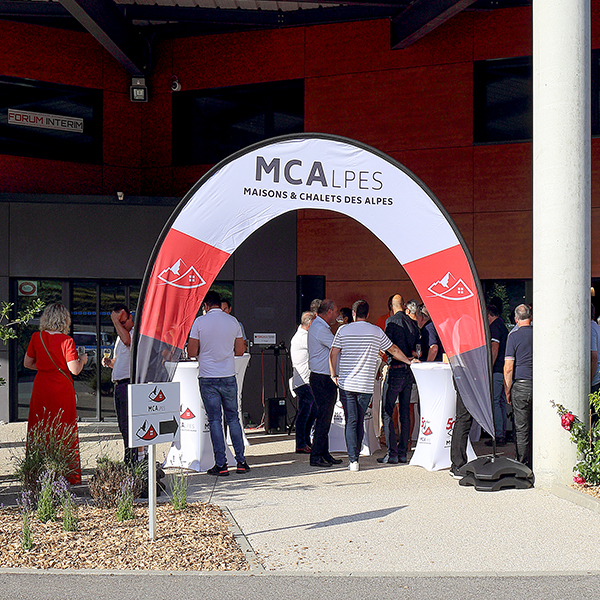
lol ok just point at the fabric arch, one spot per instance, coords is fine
(270, 178)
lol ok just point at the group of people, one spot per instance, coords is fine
(348, 360)
(332, 350)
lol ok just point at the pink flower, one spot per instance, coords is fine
(578, 479)
(566, 420)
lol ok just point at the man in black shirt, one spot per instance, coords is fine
(403, 332)
(518, 381)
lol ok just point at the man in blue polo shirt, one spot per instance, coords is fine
(518, 381)
(323, 388)
(498, 335)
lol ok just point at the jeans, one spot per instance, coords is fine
(307, 413)
(355, 406)
(121, 403)
(324, 392)
(399, 383)
(521, 396)
(499, 405)
(221, 393)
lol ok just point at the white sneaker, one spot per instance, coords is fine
(353, 466)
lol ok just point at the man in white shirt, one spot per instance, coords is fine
(323, 388)
(307, 410)
(120, 364)
(353, 362)
(216, 339)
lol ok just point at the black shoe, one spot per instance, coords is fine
(387, 459)
(454, 473)
(402, 459)
(242, 467)
(333, 461)
(220, 471)
(319, 462)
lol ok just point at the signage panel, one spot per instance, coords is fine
(153, 413)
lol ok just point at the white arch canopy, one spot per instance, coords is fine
(263, 181)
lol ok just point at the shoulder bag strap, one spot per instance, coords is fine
(50, 355)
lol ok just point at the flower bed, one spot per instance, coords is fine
(197, 538)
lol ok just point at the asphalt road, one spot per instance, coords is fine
(150, 586)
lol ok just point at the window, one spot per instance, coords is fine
(508, 294)
(209, 125)
(54, 121)
(503, 109)
(503, 93)
(90, 304)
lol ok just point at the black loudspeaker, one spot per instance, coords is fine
(275, 415)
(308, 287)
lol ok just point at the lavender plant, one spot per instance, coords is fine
(26, 507)
(179, 490)
(125, 507)
(62, 491)
(46, 509)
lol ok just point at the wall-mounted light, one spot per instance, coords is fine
(120, 196)
(138, 92)
(175, 84)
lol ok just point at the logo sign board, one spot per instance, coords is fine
(26, 118)
(265, 339)
(27, 288)
(153, 413)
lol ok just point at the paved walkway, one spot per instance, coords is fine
(385, 519)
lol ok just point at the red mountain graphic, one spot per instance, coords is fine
(188, 414)
(181, 276)
(157, 397)
(450, 288)
(147, 434)
(428, 431)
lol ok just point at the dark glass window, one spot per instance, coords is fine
(503, 109)
(45, 120)
(209, 125)
(503, 92)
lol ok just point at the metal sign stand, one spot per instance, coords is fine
(152, 491)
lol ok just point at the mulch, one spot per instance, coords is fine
(197, 538)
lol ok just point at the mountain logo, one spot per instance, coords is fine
(450, 288)
(181, 276)
(156, 396)
(428, 431)
(146, 432)
(188, 414)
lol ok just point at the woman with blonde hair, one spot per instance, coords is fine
(53, 355)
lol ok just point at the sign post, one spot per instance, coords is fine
(153, 419)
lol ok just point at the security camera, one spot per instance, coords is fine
(175, 85)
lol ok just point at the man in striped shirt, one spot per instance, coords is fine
(353, 365)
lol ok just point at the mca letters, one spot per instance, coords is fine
(296, 173)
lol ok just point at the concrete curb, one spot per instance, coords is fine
(242, 541)
(575, 496)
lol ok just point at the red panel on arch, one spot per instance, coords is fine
(182, 274)
(445, 282)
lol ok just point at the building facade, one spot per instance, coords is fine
(86, 190)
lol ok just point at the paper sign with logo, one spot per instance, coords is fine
(153, 413)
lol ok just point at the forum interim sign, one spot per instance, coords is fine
(268, 179)
(44, 121)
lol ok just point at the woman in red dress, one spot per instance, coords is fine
(53, 355)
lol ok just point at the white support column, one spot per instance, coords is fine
(561, 229)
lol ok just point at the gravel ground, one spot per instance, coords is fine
(198, 538)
